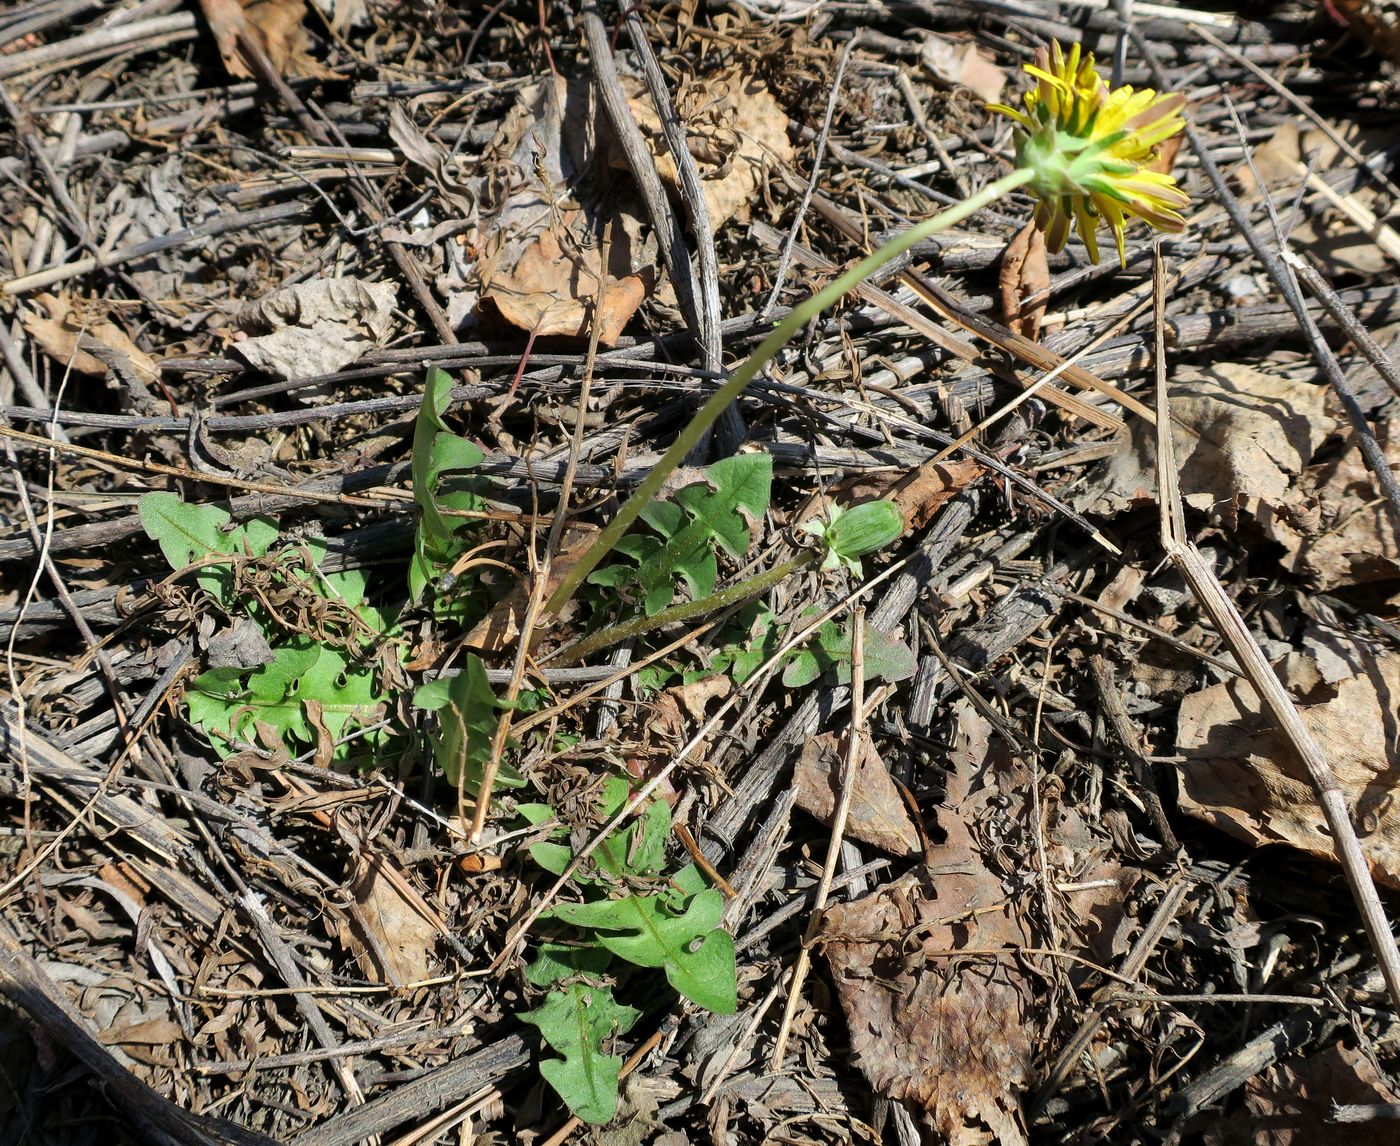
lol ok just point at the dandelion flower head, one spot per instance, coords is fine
(1089, 148)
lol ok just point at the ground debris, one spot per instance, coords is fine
(304, 424)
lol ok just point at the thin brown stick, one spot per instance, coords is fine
(1351, 326)
(1232, 627)
(540, 588)
(838, 831)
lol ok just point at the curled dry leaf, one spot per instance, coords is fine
(1242, 436)
(67, 322)
(735, 130)
(316, 327)
(1241, 775)
(276, 24)
(541, 262)
(1291, 1103)
(1338, 531)
(878, 816)
(1025, 272)
(433, 158)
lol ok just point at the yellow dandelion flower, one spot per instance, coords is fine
(1088, 149)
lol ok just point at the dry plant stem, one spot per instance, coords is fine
(1018, 345)
(838, 832)
(1351, 326)
(741, 1043)
(1044, 380)
(219, 224)
(1116, 714)
(96, 45)
(697, 293)
(366, 197)
(613, 674)
(1282, 275)
(1231, 625)
(708, 315)
(533, 609)
(1356, 1112)
(189, 474)
(800, 216)
(437, 1126)
(718, 402)
(917, 321)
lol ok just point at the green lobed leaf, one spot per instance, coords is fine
(576, 1021)
(638, 848)
(467, 709)
(438, 453)
(887, 657)
(190, 533)
(228, 703)
(715, 512)
(557, 961)
(696, 955)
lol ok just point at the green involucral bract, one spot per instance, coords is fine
(849, 534)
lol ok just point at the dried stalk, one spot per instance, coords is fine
(1228, 620)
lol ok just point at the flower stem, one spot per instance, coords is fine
(796, 319)
(732, 595)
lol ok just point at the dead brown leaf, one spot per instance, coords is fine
(397, 936)
(67, 322)
(1242, 434)
(1025, 271)
(1373, 22)
(1339, 531)
(952, 1037)
(541, 261)
(552, 287)
(735, 131)
(150, 1032)
(275, 24)
(1241, 776)
(962, 65)
(878, 816)
(316, 327)
(1290, 1104)
(680, 709)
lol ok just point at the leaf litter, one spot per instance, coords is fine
(304, 589)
